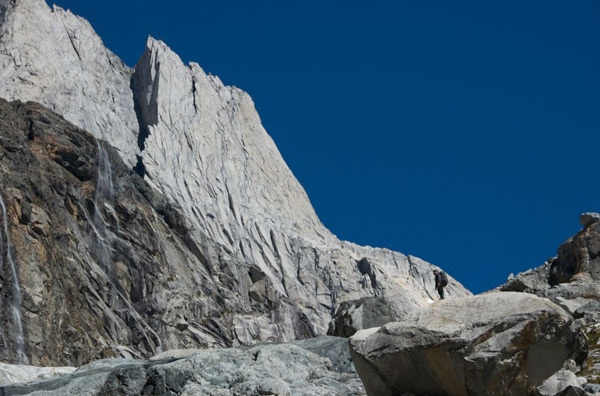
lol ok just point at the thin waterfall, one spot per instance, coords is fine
(101, 245)
(104, 195)
(17, 298)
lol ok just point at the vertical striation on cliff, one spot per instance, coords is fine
(54, 57)
(13, 341)
(217, 245)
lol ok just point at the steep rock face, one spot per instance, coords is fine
(217, 162)
(491, 344)
(233, 254)
(92, 267)
(55, 58)
(97, 264)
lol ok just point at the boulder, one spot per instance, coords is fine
(529, 281)
(495, 344)
(561, 382)
(592, 388)
(587, 219)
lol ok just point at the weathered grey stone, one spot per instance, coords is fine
(587, 219)
(570, 280)
(558, 383)
(365, 313)
(270, 369)
(336, 349)
(530, 281)
(495, 344)
(87, 380)
(579, 307)
(14, 374)
(579, 257)
(577, 261)
(54, 57)
(592, 388)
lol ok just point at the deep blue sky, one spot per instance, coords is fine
(463, 132)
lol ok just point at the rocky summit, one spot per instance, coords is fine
(147, 209)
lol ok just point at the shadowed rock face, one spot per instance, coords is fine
(217, 244)
(491, 344)
(579, 257)
(103, 267)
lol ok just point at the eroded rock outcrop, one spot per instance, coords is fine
(572, 280)
(579, 257)
(492, 344)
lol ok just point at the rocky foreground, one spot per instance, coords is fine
(491, 344)
(320, 366)
(498, 343)
(537, 334)
(532, 336)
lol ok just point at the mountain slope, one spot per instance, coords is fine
(217, 244)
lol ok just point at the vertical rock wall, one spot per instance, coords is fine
(227, 249)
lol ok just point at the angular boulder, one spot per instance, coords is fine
(492, 344)
(561, 383)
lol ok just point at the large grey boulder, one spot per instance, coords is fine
(562, 381)
(493, 344)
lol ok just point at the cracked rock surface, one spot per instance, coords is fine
(183, 228)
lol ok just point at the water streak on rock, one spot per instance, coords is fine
(102, 243)
(104, 194)
(17, 299)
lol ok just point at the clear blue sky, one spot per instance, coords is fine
(463, 132)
